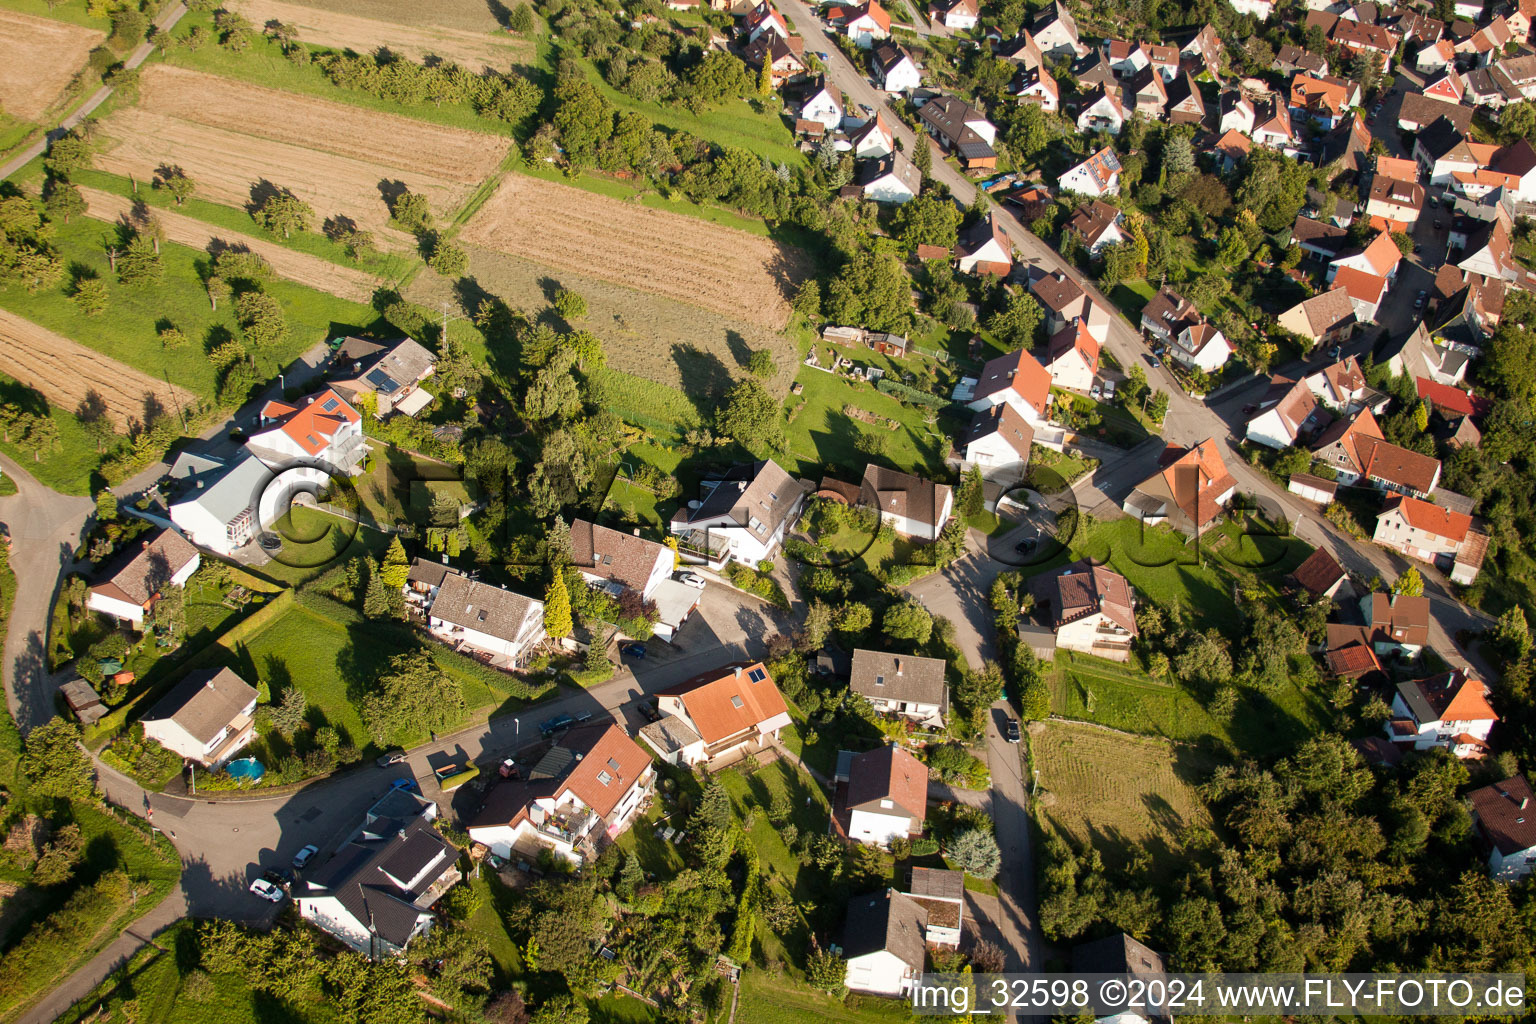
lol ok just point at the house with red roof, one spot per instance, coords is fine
(1287, 412)
(1379, 259)
(593, 780)
(1072, 357)
(1017, 379)
(1348, 654)
(887, 796)
(1188, 492)
(1099, 175)
(1433, 534)
(983, 248)
(766, 18)
(1356, 450)
(1449, 711)
(320, 430)
(1451, 402)
(1365, 291)
(865, 24)
(1504, 815)
(724, 714)
(1090, 608)
(1397, 623)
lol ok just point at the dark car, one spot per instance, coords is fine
(1026, 545)
(648, 711)
(280, 877)
(632, 649)
(1011, 730)
(1154, 362)
(556, 724)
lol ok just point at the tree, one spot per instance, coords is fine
(41, 437)
(55, 763)
(237, 384)
(1158, 407)
(449, 260)
(761, 364)
(288, 714)
(175, 181)
(1135, 384)
(752, 418)
(1178, 156)
(260, 317)
(826, 970)
(218, 288)
(853, 618)
(414, 697)
(62, 200)
(172, 337)
(59, 857)
(1016, 324)
(90, 295)
(561, 1009)
(1231, 247)
(1511, 634)
(907, 620)
(872, 290)
(396, 569)
(140, 262)
(284, 212)
(570, 305)
(106, 506)
(1409, 584)
(928, 220)
(975, 852)
(765, 76)
(971, 495)
(557, 607)
(1404, 242)
(521, 19)
(553, 393)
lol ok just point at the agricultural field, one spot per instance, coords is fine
(730, 272)
(236, 140)
(41, 58)
(1118, 793)
(70, 375)
(347, 30)
(690, 355)
(345, 282)
(463, 15)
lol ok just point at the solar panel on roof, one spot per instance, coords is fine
(757, 675)
(330, 405)
(382, 382)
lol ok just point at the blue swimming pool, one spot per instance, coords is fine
(247, 768)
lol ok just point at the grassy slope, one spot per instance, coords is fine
(71, 469)
(822, 436)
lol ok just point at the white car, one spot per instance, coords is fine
(1095, 391)
(691, 579)
(1109, 389)
(267, 891)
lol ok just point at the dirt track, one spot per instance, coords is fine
(295, 266)
(67, 372)
(40, 57)
(474, 50)
(670, 254)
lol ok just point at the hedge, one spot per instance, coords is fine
(905, 393)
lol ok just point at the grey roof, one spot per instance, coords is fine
(886, 921)
(760, 490)
(204, 702)
(366, 878)
(937, 883)
(233, 492)
(189, 466)
(899, 677)
(948, 115)
(1118, 954)
(903, 494)
(462, 601)
(430, 573)
(402, 362)
(873, 169)
(669, 734)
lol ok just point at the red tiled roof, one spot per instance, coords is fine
(727, 701)
(1197, 476)
(618, 757)
(1319, 572)
(1021, 372)
(312, 425)
(1359, 285)
(1443, 396)
(1431, 518)
(889, 773)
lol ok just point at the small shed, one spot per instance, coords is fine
(1041, 639)
(1312, 488)
(894, 345)
(83, 700)
(842, 335)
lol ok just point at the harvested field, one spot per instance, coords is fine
(295, 266)
(1120, 793)
(66, 373)
(695, 352)
(229, 136)
(342, 31)
(41, 57)
(672, 255)
(465, 15)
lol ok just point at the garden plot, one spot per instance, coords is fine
(40, 58)
(347, 31)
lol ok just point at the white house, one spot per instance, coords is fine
(130, 588)
(1090, 608)
(1019, 380)
(1097, 176)
(375, 893)
(901, 684)
(1341, 386)
(997, 442)
(1055, 32)
(889, 179)
(619, 561)
(206, 718)
(1448, 711)
(874, 140)
(824, 106)
(1201, 346)
(1236, 113)
(895, 69)
(865, 24)
(393, 372)
(1505, 815)
(883, 943)
(592, 782)
(1432, 533)
(466, 613)
(914, 507)
(741, 517)
(887, 796)
(1102, 110)
(221, 509)
(1379, 259)
(1036, 85)
(1072, 357)
(956, 15)
(983, 248)
(731, 711)
(1287, 410)
(765, 18)
(322, 431)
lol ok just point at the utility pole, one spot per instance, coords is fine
(448, 315)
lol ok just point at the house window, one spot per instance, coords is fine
(604, 778)
(879, 680)
(613, 763)
(736, 702)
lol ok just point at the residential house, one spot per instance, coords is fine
(983, 248)
(1485, 249)
(1060, 298)
(393, 372)
(206, 718)
(1418, 112)
(1035, 85)
(322, 432)
(1342, 388)
(874, 140)
(1164, 60)
(823, 105)
(731, 711)
(1449, 711)
(134, 581)
(1357, 37)
(1287, 413)
(1126, 59)
(743, 517)
(220, 509)
(1394, 205)
(1356, 450)
(1201, 346)
(765, 18)
(619, 561)
(887, 796)
(1202, 54)
(1017, 379)
(1431, 533)
(1101, 110)
(1185, 104)
(1397, 624)
(375, 893)
(1099, 175)
(1072, 357)
(1378, 259)
(1417, 355)
(1328, 317)
(1231, 150)
(1188, 492)
(480, 618)
(1435, 56)
(1055, 32)
(1235, 114)
(1272, 126)
(1504, 814)
(785, 57)
(1446, 87)
(894, 68)
(888, 179)
(960, 129)
(1096, 224)
(1323, 100)
(1348, 653)
(942, 894)
(1365, 292)
(1487, 43)
(1166, 315)
(997, 442)
(865, 24)
(914, 506)
(884, 943)
(1289, 59)
(1146, 93)
(1442, 149)
(1090, 609)
(1449, 402)
(955, 15)
(1321, 575)
(1124, 957)
(1022, 49)
(901, 684)
(594, 777)
(1318, 240)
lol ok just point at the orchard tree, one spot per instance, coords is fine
(928, 220)
(752, 418)
(90, 295)
(62, 200)
(175, 181)
(570, 305)
(412, 212)
(449, 260)
(521, 19)
(761, 364)
(283, 212)
(55, 763)
(260, 317)
(218, 289)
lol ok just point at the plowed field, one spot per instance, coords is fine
(38, 57)
(67, 372)
(669, 254)
(341, 31)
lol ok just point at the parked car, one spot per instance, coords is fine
(1109, 389)
(305, 855)
(1026, 545)
(557, 723)
(1011, 730)
(267, 891)
(389, 757)
(1154, 362)
(632, 649)
(583, 716)
(280, 877)
(691, 579)
(407, 784)
(648, 711)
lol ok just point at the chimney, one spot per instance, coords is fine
(738, 671)
(637, 531)
(898, 666)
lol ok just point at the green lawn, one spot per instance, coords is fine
(663, 412)
(1131, 296)
(810, 813)
(129, 329)
(314, 541)
(778, 1000)
(823, 438)
(399, 485)
(69, 470)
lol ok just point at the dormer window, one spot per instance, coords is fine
(736, 702)
(604, 778)
(879, 680)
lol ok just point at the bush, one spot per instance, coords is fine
(975, 851)
(909, 395)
